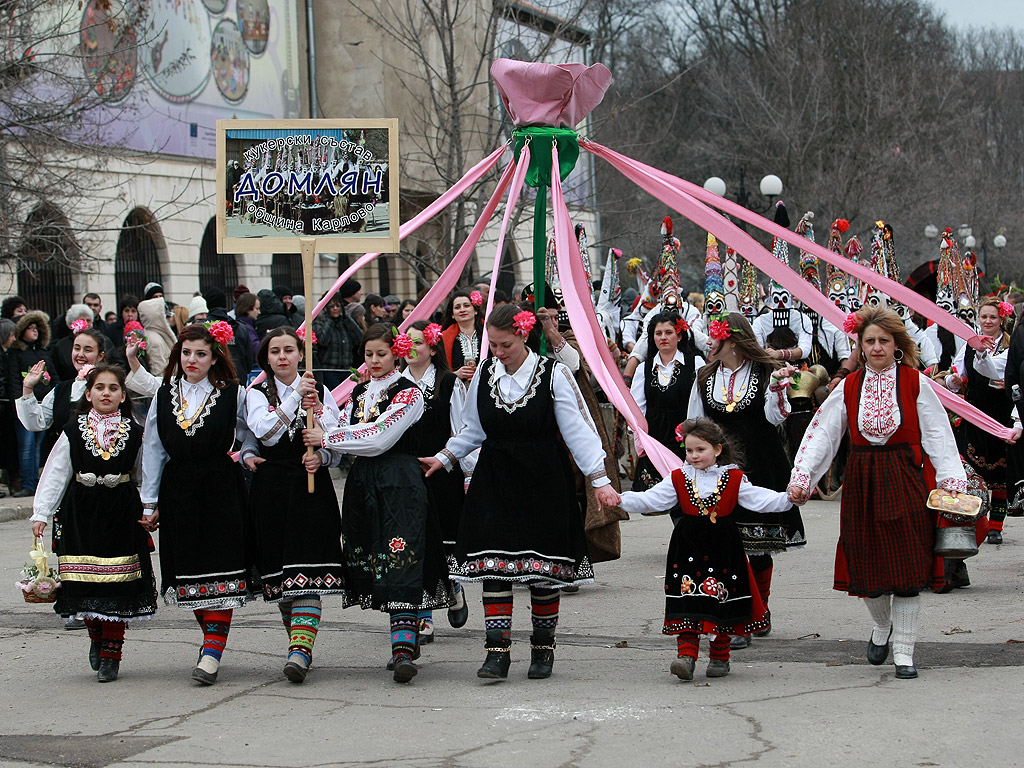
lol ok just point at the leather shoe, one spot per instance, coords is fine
(683, 667)
(739, 642)
(906, 672)
(295, 672)
(877, 654)
(717, 668)
(405, 670)
(107, 672)
(458, 614)
(994, 537)
(394, 659)
(200, 675)
(24, 493)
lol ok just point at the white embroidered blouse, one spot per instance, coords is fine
(372, 432)
(571, 415)
(36, 416)
(57, 473)
(665, 370)
(269, 425)
(878, 418)
(730, 386)
(991, 365)
(662, 497)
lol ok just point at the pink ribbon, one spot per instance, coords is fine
(670, 190)
(590, 336)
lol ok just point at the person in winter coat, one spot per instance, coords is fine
(338, 339)
(31, 337)
(242, 346)
(160, 338)
(272, 313)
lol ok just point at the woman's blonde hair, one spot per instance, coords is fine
(892, 324)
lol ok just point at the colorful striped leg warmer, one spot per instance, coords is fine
(305, 620)
(113, 640)
(544, 607)
(498, 609)
(216, 625)
(404, 626)
(719, 647)
(687, 644)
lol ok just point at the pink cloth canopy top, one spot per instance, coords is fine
(535, 93)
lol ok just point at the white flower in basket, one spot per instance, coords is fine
(39, 582)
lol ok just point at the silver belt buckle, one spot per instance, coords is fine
(111, 481)
(88, 479)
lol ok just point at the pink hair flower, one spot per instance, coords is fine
(301, 333)
(680, 434)
(80, 325)
(1005, 309)
(432, 334)
(523, 323)
(222, 332)
(476, 298)
(133, 325)
(402, 345)
(851, 322)
(719, 329)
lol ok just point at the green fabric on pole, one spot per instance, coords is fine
(539, 173)
(540, 241)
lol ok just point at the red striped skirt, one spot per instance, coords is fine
(886, 532)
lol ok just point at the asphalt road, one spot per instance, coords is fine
(803, 696)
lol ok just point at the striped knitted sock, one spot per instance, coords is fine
(719, 647)
(498, 610)
(997, 511)
(113, 640)
(305, 620)
(285, 607)
(216, 625)
(544, 607)
(95, 628)
(687, 644)
(404, 625)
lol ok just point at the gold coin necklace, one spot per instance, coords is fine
(104, 452)
(728, 398)
(183, 422)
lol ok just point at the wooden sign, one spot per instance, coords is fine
(332, 180)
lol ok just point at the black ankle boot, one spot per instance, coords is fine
(107, 672)
(498, 658)
(542, 654)
(94, 655)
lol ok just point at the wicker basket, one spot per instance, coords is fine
(31, 595)
(40, 588)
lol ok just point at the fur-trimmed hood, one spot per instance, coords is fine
(42, 321)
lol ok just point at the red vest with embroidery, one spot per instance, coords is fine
(726, 504)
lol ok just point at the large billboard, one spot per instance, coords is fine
(171, 68)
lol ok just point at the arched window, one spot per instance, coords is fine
(138, 261)
(216, 270)
(286, 269)
(44, 261)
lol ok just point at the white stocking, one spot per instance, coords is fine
(906, 612)
(880, 609)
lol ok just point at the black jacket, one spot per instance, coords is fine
(272, 314)
(22, 356)
(240, 347)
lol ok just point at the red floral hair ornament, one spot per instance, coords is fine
(402, 345)
(1005, 309)
(681, 327)
(221, 331)
(80, 325)
(680, 434)
(432, 334)
(719, 329)
(476, 298)
(851, 322)
(523, 323)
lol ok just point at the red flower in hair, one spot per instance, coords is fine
(432, 334)
(681, 327)
(402, 345)
(523, 323)
(719, 329)
(80, 325)
(476, 298)
(222, 332)
(133, 325)
(301, 333)
(1005, 309)
(851, 322)
(680, 435)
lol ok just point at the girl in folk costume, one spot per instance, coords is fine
(427, 366)
(979, 377)
(743, 390)
(662, 392)
(297, 535)
(525, 413)
(393, 552)
(105, 570)
(901, 444)
(709, 587)
(196, 491)
(463, 329)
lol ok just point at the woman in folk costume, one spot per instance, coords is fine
(443, 399)
(296, 534)
(662, 392)
(394, 555)
(901, 445)
(196, 491)
(105, 570)
(743, 390)
(979, 376)
(709, 587)
(463, 328)
(524, 412)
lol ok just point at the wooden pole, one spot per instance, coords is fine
(308, 249)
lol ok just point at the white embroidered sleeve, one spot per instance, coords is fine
(991, 366)
(821, 441)
(776, 401)
(154, 457)
(35, 416)
(758, 499)
(938, 442)
(659, 498)
(568, 356)
(577, 427)
(142, 382)
(328, 416)
(266, 423)
(695, 408)
(375, 438)
(636, 389)
(243, 434)
(53, 482)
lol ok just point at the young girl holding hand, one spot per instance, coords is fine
(708, 581)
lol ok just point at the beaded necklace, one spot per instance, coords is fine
(708, 505)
